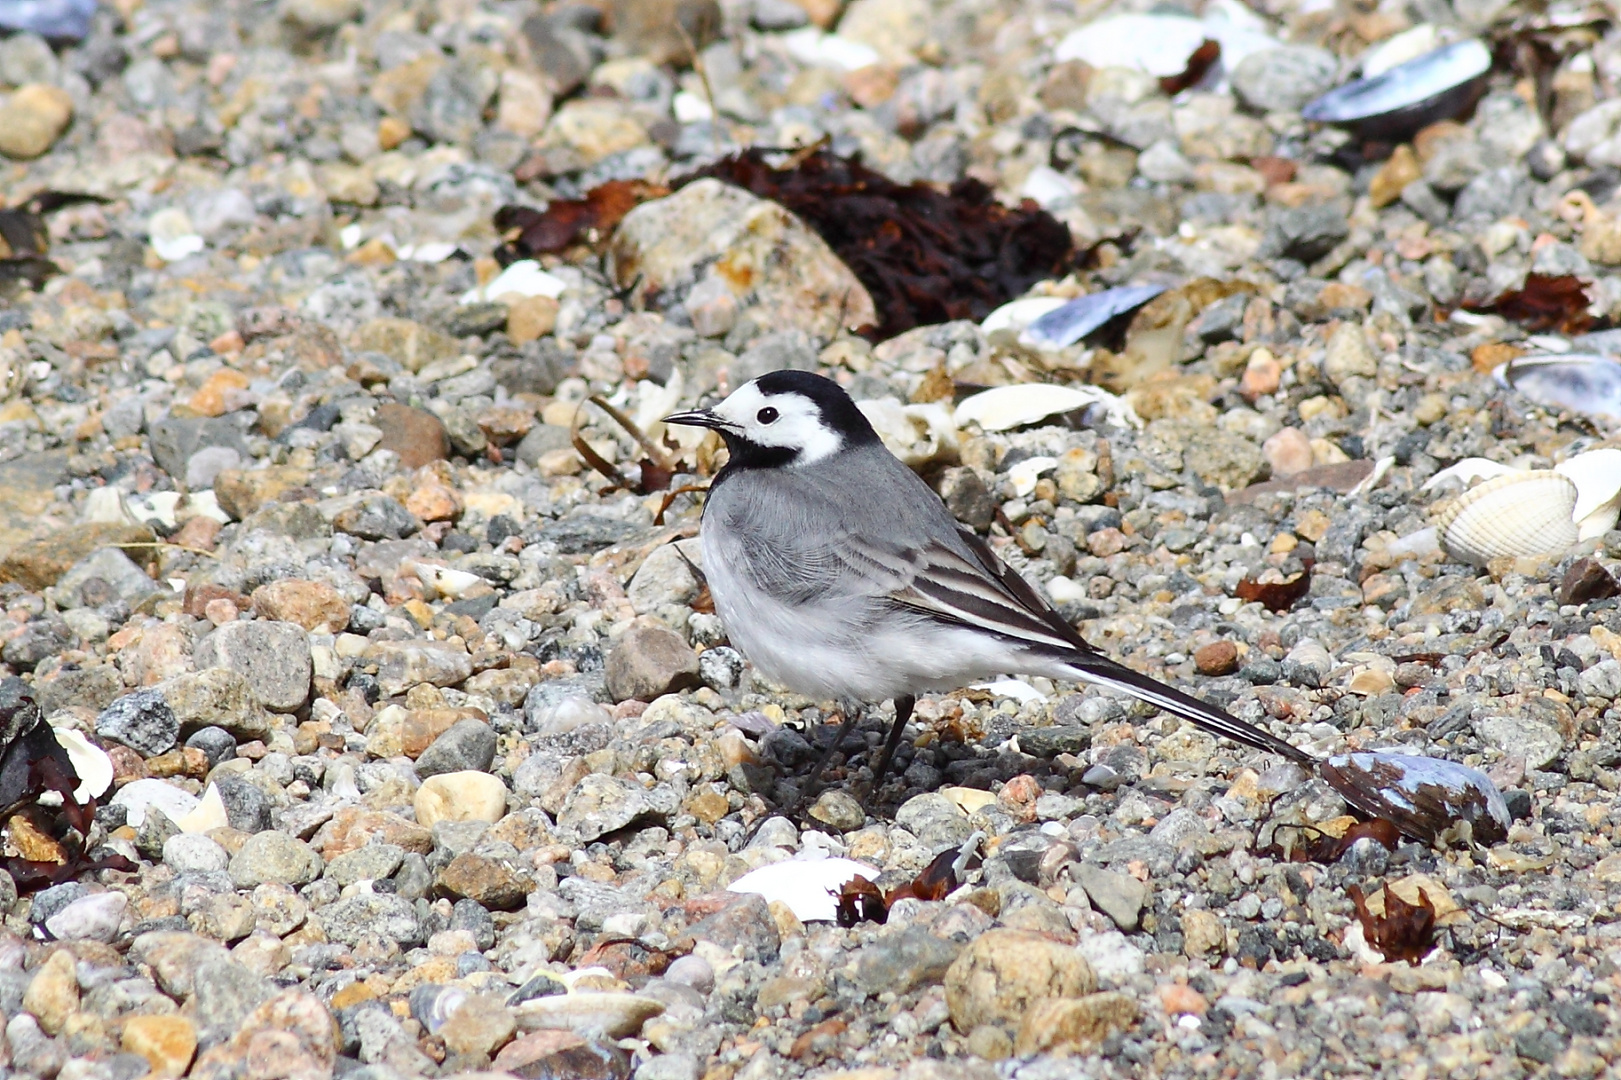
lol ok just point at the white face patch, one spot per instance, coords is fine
(787, 421)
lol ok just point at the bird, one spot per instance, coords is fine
(839, 574)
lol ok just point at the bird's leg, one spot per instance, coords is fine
(852, 715)
(903, 713)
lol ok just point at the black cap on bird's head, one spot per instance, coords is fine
(784, 418)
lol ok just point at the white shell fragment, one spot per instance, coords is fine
(1065, 325)
(518, 281)
(1161, 44)
(810, 887)
(1597, 476)
(447, 582)
(917, 434)
(1017, 689)
(209, 814)
(172, 235)
(1581, 382)
(1004, 408)
(813, 48)
(1518, 515)
(1431, 87)
(90, 762)
(1025, 474)
(1470, 470)
(1004, 325)
(589, 1014)
(1398, 49)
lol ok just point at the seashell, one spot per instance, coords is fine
(1597, 476)
(1586, 383)
(1470, 470)
(432, 1005)
(1429, 799)
(1064, 326)
(1003, 408)
(592, 1014)
(1004, 325)
(1522, 514)
(1160, 44)
(90, 762)
(917, 434)
(1397, 49)
(172, 236)
(1607, 342)
(1394, 103)
(809, 887)
(1024, 475)
(209, 814)
(519, 281)
(448, 583)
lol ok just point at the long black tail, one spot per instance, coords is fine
(1097, 668)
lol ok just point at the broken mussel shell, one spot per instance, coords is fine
(1085, 315)
(1586, 383)
(1004, 408)
(1517, 515)
(1393, 104)
(1427, 798)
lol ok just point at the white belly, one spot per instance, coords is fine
(855, 650)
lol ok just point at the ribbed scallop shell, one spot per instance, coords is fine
(1522, 514)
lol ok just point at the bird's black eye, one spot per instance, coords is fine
(767, 415)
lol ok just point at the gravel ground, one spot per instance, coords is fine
(428, 751)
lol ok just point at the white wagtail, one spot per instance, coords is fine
(842, 576)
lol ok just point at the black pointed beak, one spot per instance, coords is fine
(698, 418)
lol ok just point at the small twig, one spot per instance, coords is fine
(670, 497)
(697, 571)
(592, 458)
(654, 451)
(166, 544)
(702, 71)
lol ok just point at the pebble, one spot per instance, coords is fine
(312, 605)
(168, 1043)
(794, 279)
(53, 993)
(142, 721)
(648, 662)
(460, 796)
(274, 858)
(1003, 972)
(32, 118)
(1216, 658)
(468, 746)
(90, 918)
(191, 853)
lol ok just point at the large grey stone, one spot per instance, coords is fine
(648, 661)
(106, 575)
(274, 657)
(142, 721)
(347, 920)
(217, 698)
(468, 745)
(175, 439)
(274, 858)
